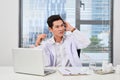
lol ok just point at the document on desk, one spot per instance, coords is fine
(73, 71)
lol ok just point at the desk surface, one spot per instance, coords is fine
(7, 73)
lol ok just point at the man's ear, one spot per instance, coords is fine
(50, 29)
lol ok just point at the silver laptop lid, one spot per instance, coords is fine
(28, 60)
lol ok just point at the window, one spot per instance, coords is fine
(96, 20)
(93, 17)
(34, 14)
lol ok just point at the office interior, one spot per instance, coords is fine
(9, 31)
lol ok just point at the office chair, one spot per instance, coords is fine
(78, 51)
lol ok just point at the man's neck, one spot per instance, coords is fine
(58, 39)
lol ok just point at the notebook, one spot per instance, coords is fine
(29, 61)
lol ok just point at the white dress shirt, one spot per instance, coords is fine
(65, 53)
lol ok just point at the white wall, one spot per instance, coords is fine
(9, 30)
(116, 32)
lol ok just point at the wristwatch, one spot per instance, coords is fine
(73, 29)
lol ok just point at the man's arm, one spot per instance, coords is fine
(39, 39)
(81, 40)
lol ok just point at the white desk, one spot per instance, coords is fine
(7, 73)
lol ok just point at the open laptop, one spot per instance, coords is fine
(29, 61)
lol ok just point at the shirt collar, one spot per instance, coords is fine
(53, 40)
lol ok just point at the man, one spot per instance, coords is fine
(61, 49)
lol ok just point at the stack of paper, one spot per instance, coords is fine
(73, 71)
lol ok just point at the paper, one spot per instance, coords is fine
(73, 71)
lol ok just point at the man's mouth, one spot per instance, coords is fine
(60, 32)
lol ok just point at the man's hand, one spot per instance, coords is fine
(69, 27)
(39, 39)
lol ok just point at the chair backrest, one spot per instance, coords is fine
(78, 51)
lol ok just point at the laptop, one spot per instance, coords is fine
(29, 61)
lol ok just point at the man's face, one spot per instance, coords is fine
(58, 28)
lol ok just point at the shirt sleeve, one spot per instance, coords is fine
(81, 40)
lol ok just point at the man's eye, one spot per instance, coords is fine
(62, 25)
(56, 26)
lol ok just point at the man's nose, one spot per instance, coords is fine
(61, 28)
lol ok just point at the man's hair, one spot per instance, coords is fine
(53, 18)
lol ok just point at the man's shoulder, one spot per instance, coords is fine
(49, 41)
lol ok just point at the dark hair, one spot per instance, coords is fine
(53, 18)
